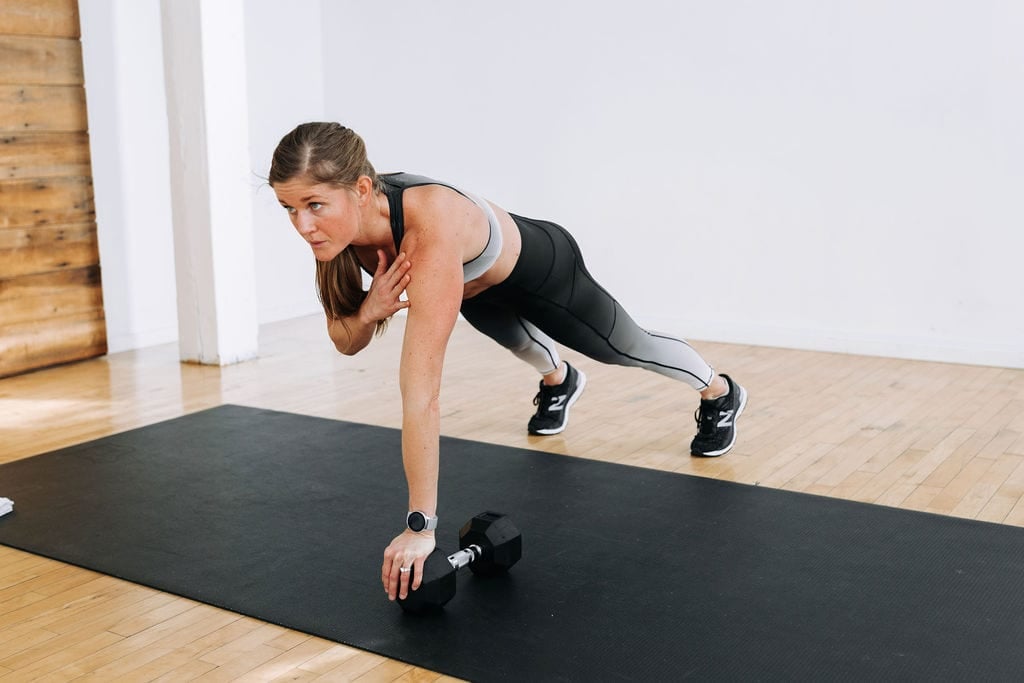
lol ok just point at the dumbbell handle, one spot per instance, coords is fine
(465, 556)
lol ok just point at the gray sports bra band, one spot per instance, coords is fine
(396, 183)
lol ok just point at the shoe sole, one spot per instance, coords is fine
(568, 404)
(735, 428)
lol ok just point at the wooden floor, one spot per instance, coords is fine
(924, 436)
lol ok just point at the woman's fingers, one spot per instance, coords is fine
(398, 264)
(399, 280)
(399, 577)
(402, 570)
(389, 281)
(401, 272)
(400, 285)
(417, 572)
(399, 584)
(397, 275)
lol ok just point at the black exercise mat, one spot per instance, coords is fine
(627, 573)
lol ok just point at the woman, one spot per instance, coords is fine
(522, 282)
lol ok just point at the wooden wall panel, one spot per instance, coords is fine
(42, 343)
(40, 60)
(42, 108)
(44, 155)
(46, 295)
(51, 302)
(43, 249)
(46, 201)
(40, 18)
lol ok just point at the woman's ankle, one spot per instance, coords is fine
(556, 376)
(717, 389)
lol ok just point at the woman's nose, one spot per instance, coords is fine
(304, 223)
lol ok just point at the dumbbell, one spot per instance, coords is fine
(489, 544)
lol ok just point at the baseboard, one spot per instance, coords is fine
(934, 349)
(140, 339)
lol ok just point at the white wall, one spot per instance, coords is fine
(122, 54)
(838, 176)
(835, 176)
(286, 66)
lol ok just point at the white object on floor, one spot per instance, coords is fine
(6, 505)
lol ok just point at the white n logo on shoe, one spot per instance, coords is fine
(557, 403)
(726, 416)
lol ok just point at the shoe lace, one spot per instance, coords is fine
(545, 395)
(705, 417)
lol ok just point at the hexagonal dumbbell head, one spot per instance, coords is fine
(497, 537)
(437, 588)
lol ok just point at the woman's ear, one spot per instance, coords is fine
(364, 188)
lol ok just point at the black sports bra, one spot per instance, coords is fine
(396, 183)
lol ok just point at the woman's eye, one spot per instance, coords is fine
(289, 209)
(315, 205)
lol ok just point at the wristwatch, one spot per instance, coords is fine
(420, 521)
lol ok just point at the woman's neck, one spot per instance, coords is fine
(376, 224)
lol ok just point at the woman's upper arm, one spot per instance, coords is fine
(434, 291)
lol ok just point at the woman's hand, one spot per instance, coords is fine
(382, 301)
(408, 549)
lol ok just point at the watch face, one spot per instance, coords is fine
(416, 521)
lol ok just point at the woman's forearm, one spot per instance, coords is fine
(421, 427)
(352, 333)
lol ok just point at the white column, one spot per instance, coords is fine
(211, 179)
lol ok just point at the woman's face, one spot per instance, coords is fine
(326, 216)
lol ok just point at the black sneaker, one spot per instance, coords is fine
(716, 421)
(553, 403)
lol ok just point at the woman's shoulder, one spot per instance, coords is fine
(405, 180)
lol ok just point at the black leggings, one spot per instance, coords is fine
(550, 297)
